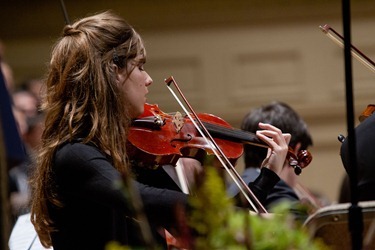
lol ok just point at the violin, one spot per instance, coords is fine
(157, 138)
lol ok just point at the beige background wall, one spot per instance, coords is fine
(228, 56)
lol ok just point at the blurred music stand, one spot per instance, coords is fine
(330, 224)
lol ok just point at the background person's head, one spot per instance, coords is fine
(281, 116)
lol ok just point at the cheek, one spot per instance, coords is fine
(134, 97)
(130, 90)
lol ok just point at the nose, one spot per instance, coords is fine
(149, 80)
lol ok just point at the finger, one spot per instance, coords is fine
(277, 137)
(265, 137)
(268, 126)
(272, 138)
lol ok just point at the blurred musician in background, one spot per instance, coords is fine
(287, 119)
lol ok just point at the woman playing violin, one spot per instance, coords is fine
(96, 84)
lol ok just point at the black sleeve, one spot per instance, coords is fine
(85, 174)
(264, 183)
(161, 205)
(281, 192)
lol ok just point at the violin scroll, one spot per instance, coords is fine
(300, 161)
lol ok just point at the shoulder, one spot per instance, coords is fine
(78, 154)
(78, 150)
(81, 161)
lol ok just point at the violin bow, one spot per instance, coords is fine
(246, 191)
(356, 53)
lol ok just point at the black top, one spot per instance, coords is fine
(96, 211)
(365, 138)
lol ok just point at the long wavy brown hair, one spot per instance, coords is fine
(83, 101)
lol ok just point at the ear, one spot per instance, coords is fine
(116, 70)
(119, 74)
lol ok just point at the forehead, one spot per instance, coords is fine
(142, 51)
(141, 56)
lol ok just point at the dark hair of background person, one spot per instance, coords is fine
(280, 115)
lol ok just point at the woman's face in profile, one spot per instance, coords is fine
(135, 85)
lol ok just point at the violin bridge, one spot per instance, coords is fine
(178, 121)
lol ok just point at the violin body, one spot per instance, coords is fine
(157, 138)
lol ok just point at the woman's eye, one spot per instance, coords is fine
(141, 67)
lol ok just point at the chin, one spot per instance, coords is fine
(137, 113)
(141, 111)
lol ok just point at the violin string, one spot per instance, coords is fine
(216, 149)
(235, 134)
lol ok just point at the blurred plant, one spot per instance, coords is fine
(116, 246)
(218, 224)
